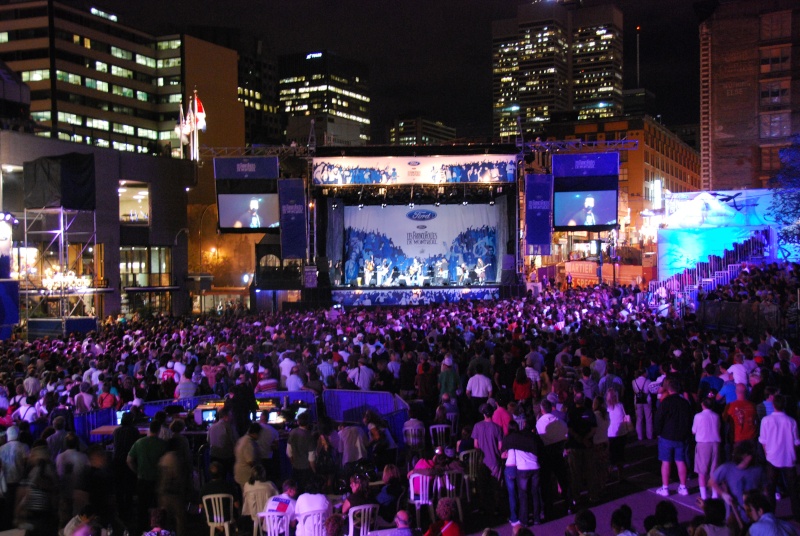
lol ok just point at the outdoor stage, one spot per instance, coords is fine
(370, 296)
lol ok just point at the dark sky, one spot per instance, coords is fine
(435, 55)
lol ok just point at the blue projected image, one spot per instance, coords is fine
(585, 209)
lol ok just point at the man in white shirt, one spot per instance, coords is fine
(553, 432)
(705, 429)
(737, 371)
(285, 367)
(285, 503)
(308, 502)
(780, 439)
(362, 375)
(479, 389)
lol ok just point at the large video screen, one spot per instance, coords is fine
(585, 209)
(248, 212)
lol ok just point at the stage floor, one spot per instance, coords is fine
(369, 296)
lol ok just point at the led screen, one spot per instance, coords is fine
(243, 212)
(585, 209)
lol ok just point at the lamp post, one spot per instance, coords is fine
(200, 233)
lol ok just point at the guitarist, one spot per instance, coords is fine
(383, 271)
(369, 270)
(480, 271)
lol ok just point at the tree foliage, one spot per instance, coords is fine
(785, 186)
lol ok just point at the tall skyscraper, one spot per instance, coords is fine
(96, 81)
(331, 90)
(555, 57)
(748, 82)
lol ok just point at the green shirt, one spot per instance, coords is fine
(146, 452)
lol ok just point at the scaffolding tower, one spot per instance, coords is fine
(51, 264)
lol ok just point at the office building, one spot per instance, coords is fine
(748, 90)
(555, 57)
(258, 82)
(660, 164)
(419, 130)
(96, 81)
(331, 90)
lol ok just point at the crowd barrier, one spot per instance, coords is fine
(349, 406)
(86, 422)
(752, 318)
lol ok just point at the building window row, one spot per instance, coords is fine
(776, 25)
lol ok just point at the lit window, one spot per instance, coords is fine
(142, 96)
(147, 133)
(169, 45)
(775, 59)
(3, 37)
(99, 124)
(167, 63)
(121, 53)
(121, 71)
(71, 119)
(119, 128)
(68, 77)
(41, 116)
(775, 92)
(775, 125)
(101, 67)
(145, 60)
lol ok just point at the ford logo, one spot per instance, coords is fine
(422, 227)
(420, 215)
(413, 163)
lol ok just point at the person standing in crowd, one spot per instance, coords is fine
(488, 438)
(246, 454)
(641, 402)
(301, 451)
(673, 426)
(222, 438)
(705, 428)
(780, 441)
(12, 465)
(554, 471)
(479, 389)
(143, 461)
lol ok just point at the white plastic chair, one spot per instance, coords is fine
(312, 523)
(273, 523)
(362, 518)
(440, 434)
(415, 443)
(453, 418)
(217, 516)
(451, 485)
(471, 460)
(256, 499)
(425, 495)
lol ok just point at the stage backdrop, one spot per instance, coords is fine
(431, 234)
(388, 170)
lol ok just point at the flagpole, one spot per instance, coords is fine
(181, 125)
(196, 133)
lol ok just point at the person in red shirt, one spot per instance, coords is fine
(741, 416)
(446, 510)
(523, 387)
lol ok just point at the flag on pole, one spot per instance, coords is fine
(200, 113)
(182, 128)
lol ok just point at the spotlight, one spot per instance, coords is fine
(334, 205)
(383, 205)
(360, 206)
(465, 202)
(491, 202)
(438, 203)
(411, 204)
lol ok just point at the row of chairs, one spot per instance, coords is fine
(219, 515)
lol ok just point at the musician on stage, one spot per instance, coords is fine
(383, 272)
(464, 276)
(369, 270)
(420, 273)
(480, 270)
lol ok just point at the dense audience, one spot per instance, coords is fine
(536, 398)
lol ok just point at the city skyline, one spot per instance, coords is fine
(436, 57)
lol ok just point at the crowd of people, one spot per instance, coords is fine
(543, 391)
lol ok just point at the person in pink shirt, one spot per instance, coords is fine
(502, 416)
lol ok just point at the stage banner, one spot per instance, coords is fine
(538, 213)
(254, 167)
(389, 170)
(586, 164)
(291, 193)
(423, 245)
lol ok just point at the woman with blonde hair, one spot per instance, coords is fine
(617, 430)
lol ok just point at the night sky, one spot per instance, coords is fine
(434, 56)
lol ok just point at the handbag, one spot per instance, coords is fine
(627, 426)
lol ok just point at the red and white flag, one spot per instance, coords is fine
(200, 113)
